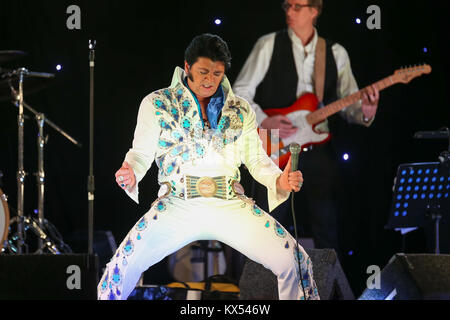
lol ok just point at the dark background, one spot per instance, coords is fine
(138, 45)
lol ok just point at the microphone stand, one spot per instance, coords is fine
(91, 181)
(20, 172)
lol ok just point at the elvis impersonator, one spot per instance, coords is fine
(199, 133)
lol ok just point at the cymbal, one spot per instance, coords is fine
(32, 83)
(10, 74)
(10, 55)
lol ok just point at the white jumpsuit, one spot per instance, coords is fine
(170, 130)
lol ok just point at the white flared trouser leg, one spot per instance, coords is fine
(256, 234)
(173, 223)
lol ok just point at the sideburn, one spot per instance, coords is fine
(190, 76)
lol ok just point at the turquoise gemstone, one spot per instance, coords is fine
(186, 124)
(161, 206)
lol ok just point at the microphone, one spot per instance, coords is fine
(295, 149)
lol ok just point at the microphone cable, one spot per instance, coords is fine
(297, 244)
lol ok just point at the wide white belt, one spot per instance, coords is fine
(190, 187)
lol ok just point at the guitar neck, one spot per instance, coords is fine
(323, 113)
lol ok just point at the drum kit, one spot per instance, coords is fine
(23, 234)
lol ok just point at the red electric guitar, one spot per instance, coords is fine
(304, 113)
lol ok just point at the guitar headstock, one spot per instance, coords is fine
(405, 75)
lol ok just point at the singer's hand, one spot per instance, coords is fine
(125, 177)
(290, 181)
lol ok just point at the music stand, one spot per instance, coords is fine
(421, 192)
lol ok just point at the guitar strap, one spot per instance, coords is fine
(319, 68)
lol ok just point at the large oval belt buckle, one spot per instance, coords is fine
(206, 187)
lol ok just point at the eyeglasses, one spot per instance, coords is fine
(297, 7)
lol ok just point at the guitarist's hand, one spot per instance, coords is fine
(370, 98)
(290, 181)
(282, 123)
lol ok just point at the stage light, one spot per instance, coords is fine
(350, 253)
(345, 156)
(58, 67)
(425, 50)
(218, 21)
(358, 20)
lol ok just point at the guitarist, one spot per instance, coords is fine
(284, 65)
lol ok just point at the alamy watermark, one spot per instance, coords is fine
(374, 20)
(74, 279)
(374, 280)
(73, 22)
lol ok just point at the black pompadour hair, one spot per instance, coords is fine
(208, 46)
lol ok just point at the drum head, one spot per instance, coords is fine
(4, 219)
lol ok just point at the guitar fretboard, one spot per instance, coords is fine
(323, 113)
